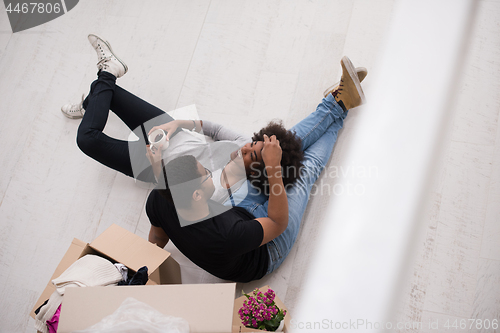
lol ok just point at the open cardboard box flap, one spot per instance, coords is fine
(129, 249)
(206, 307)
(119, 245)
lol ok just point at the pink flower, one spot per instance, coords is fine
(270, 294)
(258, 308)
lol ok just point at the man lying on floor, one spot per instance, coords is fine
(241, 243)
(252, 239)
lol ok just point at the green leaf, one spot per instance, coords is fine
(272, 324)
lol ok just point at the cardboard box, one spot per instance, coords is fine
(238, 303)
(119, 245)
(206, 307)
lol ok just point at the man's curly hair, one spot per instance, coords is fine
(291, 158)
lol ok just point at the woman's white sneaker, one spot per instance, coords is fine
(107, 59)
(74, 111)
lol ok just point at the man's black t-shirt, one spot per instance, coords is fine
(226, 245)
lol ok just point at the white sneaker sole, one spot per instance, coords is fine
(351, 70)
(75, 116)
(70, 116)
(111, 50)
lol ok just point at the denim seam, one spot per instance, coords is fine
(317, 124)
(277, 249)
(254, 207)
(270, 263)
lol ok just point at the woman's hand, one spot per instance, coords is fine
(271, 153)
(169, 128)
(154, 157)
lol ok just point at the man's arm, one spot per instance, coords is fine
(277, 210)
(158, 236)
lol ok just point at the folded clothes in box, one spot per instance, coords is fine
(119, 246)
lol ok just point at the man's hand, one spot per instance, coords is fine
(271, 153)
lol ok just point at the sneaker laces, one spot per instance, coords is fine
(338, 90)
(102, 63)
(77, 107)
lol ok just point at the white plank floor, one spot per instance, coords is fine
(242, 63)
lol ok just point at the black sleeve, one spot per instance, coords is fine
(245, 236)
(160, 212)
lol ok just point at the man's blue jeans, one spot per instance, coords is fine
(318, 132)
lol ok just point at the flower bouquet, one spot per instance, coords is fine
(259, 311)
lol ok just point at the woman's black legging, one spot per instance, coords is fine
(127, 157)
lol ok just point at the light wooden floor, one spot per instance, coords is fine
(242, 63)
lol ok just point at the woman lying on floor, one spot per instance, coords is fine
(306, 149)
(232, 157)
